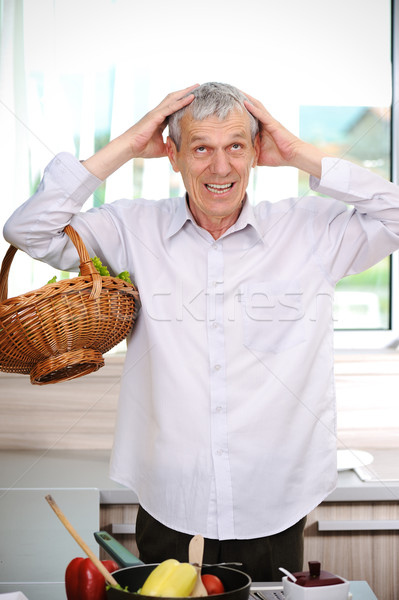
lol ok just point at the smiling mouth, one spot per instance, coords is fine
(218, 189)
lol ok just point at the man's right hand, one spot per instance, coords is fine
(143, 140)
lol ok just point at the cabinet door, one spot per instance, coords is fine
(120, 521)
(359, 541)
(35, 547)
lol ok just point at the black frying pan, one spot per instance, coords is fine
(236, 583)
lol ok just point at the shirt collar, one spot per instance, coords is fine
(246, 219)
(181, 215)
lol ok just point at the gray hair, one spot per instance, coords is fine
(211, 99)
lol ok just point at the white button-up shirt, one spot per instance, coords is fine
(226, 421)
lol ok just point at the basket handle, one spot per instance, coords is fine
(86, 265)
(5, 269)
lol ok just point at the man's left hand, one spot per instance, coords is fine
(279, 147)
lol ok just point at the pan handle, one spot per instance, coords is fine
(119, 553)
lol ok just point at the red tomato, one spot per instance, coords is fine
(213, 584)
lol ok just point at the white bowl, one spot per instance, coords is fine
(292, 591)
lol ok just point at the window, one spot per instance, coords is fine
(361, 134)
(75, 74)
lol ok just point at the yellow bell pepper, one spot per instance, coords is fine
(170, 579)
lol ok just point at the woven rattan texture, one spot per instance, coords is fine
(61, 330)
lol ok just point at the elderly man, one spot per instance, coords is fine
(226, 418)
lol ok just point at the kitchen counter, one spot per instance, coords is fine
(360, 590)
(89, 469)
(350, 488)
(64, 469)
(79, 481)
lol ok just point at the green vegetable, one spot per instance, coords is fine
(125, 276)
(119, 587)
(102, 269)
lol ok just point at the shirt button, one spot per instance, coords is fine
(219, 409)
(219, 452)
(218, 367)
(215, 246)
(214, 325)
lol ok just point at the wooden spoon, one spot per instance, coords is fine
(111, 580)
(195, 554)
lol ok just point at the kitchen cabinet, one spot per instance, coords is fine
(358, 540)
(35, 547)
(368, 554)
(120, 521)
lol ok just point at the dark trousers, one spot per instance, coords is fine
(260, 557)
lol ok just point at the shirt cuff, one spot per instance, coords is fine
(335, 176)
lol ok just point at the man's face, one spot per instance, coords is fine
(215, 160)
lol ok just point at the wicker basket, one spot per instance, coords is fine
(60, 331)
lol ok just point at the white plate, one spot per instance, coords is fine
(352, 459)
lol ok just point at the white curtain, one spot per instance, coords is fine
(14, 125)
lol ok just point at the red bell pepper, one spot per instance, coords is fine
(83, 581)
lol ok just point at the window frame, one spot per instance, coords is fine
(387, 338)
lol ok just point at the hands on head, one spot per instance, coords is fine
(278, 146)
(146, 136)
(144, 139)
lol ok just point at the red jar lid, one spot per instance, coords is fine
(316, 577)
